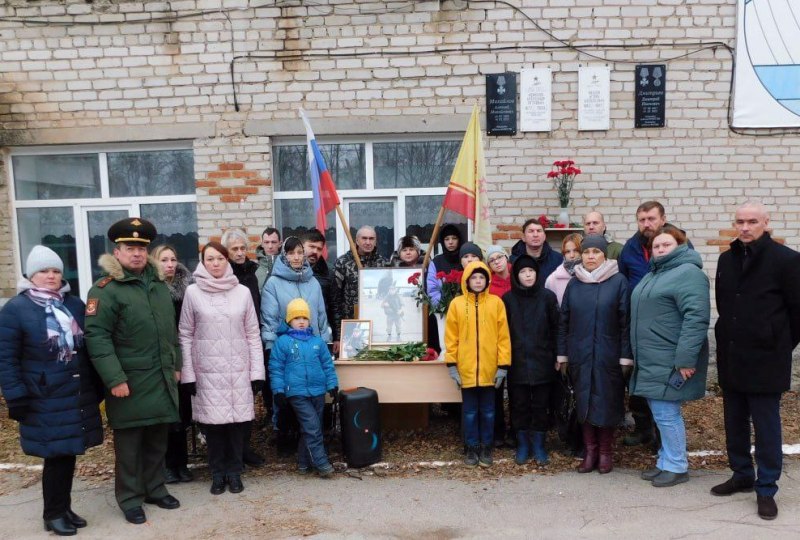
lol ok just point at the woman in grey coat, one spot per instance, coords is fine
(670, 312)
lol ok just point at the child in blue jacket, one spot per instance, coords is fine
(301, 371)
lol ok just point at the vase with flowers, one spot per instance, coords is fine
(563, 176)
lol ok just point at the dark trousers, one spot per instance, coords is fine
(640, 412)
(477, 413)
(225, 445)
(529, 406)
(310, 447)
(57, 485)
(139, 467)
(765, 411)
(177, 456)
(500, 412)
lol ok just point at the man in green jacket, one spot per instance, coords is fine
(133, 344)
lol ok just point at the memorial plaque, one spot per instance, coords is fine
(594, 98)
(535, 99)
(501, 104)
(651, 95)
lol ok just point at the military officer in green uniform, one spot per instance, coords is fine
(132, 341)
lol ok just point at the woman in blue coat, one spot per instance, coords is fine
(594, 341)
(48, 382)
(670, 314)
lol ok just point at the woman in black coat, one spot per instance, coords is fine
(178, 278)
(594, 341)
(48, 382)
(533, 320)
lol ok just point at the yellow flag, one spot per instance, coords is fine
(467, 194)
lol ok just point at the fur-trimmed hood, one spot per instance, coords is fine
(182, 279)
(113, 268)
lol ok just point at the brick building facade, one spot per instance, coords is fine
(116, 72)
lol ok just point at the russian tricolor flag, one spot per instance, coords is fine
(325, 196)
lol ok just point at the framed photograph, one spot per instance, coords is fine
(386, 298)
(356, 336)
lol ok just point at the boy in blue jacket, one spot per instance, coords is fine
(301, 371)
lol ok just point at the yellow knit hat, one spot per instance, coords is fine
(297, 308)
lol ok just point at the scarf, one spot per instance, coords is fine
(63, 332)
(599, 274)
(569, 266)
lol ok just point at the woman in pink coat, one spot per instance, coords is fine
(222, 362)
(571, 250)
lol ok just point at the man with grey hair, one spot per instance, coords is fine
(235, 241)
(758, 299)
(345, 274)
(595, 223)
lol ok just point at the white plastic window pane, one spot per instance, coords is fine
(176, 224)
(141, 174)
(98, 222)
(54, 228)
(413, 164)
(47, 177)
(421, 215)
(346, 163)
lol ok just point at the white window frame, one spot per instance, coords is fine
(370, 192)
(80, 205)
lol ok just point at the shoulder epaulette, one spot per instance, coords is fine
(105, 281)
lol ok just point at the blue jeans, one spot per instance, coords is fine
(765, 411)
(310, 448)
(672, 455)
(477, 414)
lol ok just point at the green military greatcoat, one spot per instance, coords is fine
(131, 337)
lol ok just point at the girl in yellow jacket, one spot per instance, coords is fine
(478, 355)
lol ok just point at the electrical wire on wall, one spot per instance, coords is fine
(587, 49)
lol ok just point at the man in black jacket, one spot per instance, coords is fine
(314, 246)
(758, 299)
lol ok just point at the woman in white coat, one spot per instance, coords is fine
(222, 362)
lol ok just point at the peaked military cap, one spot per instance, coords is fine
(132, 230)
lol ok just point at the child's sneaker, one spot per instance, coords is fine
(303, 470)
(485, 459)
(326, 471)
(471, 459)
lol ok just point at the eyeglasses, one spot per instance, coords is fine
(496, 259)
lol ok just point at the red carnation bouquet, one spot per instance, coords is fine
(451, 287)
(563, 176)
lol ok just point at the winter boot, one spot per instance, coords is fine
(539, 451)
(485, 457)
(589, 462)
(642, 432)
(471, 459)
(523, 454)
(606, 440)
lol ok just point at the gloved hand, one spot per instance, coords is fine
(334, 392)
(191, 388)
(499, 377)
(562, 367)
(454, 375)
(627, 371)
(18, 410)
(256, 386)
(280, 400)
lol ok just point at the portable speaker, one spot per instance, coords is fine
(360, 418)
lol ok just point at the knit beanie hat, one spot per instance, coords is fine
(526, 261)
(495, 249)
(42, 258)
(596, 241)
(297, 308)
(470, 248)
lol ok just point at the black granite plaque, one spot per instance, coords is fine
(651, 95)
(501, 104)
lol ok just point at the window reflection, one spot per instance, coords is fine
(73, 176)
(54, 228)
(176, 224)
(165, 172)
(414, 164)
(346, 163)
(296, 216)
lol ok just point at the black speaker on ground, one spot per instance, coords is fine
(361, 426)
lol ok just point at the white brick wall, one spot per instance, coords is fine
(85, 78)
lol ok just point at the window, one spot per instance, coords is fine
(395, 186)
(66, 198)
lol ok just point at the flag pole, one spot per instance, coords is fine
(432, 241)
(353, 249)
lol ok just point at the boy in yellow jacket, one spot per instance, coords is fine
(478, 355)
